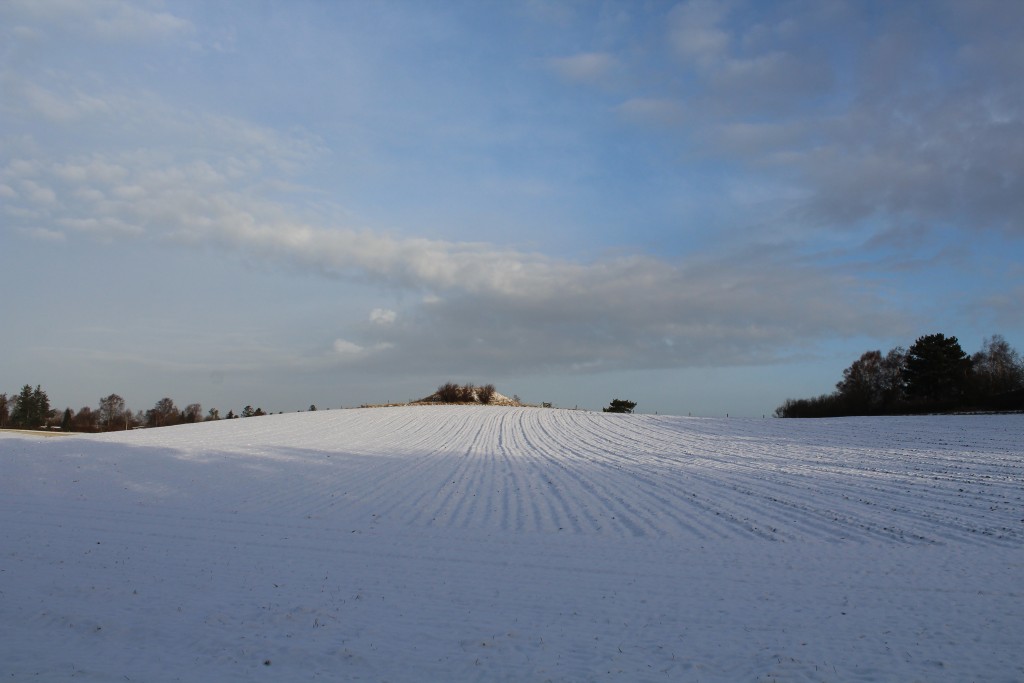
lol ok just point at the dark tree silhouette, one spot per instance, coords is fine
(620, 406)
(937, 370)
(997, 368)
(933, 375)
(84, 420)
(163, 414)
(873, 383)
(113, 414)
(193, 413)
(31, 408)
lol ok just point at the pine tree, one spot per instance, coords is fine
(41, 405)
(937, 370)
(23, 414)
(620, 406)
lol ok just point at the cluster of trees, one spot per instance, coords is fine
(30, 409)
(449, 392)
(933, 375)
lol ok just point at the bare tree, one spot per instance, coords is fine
(485, 394)
(163, 414)
(467, 393)
(112, 413)
(998, 367)
(873, 382)
(449, 392)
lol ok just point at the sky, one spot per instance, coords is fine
(704, 207)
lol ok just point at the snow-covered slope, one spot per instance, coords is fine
(489, 543)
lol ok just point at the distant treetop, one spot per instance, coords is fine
(620, 406)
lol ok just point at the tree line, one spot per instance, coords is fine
(30, 409)
(933, 375)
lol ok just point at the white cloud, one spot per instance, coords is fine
(343, 347)
(771, 77)
(38, 194)
(119, 20)
(104, 228)
(587, 67)
(129, 22)
(46, 235)
(382, 316)
(528, 309)
(694, 31)
(60, 107)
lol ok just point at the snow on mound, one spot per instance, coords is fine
(474, 543)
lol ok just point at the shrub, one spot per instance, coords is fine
(485, 394)
(467, 393)
(449, 392)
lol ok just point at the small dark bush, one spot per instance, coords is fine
(467, 393)
(449, 392)
(485, 394)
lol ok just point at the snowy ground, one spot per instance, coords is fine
(516, 544)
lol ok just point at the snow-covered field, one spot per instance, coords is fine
(516, 544)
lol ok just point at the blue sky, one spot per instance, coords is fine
(706, 207)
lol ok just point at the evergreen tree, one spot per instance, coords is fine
(65, 423)
(5, 414)
(937, 371)
(620, 406)
(31, 408)
(41, 403)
